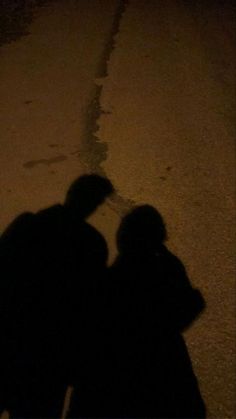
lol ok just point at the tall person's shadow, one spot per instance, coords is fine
(51, 263)
(148, 366)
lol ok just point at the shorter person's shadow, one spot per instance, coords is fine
(147, 371)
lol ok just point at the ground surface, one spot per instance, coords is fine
(144, 92)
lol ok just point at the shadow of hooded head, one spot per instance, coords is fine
(86, 193)
(141, 231)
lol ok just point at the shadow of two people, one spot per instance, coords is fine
(113, 333)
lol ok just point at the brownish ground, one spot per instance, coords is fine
(164, 74)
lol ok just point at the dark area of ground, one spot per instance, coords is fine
(15, 17)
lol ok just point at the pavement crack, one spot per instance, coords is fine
(94, 151)
(47, 162)
(110, 45)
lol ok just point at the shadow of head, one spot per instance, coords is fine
(86, 193)
(141, 231)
